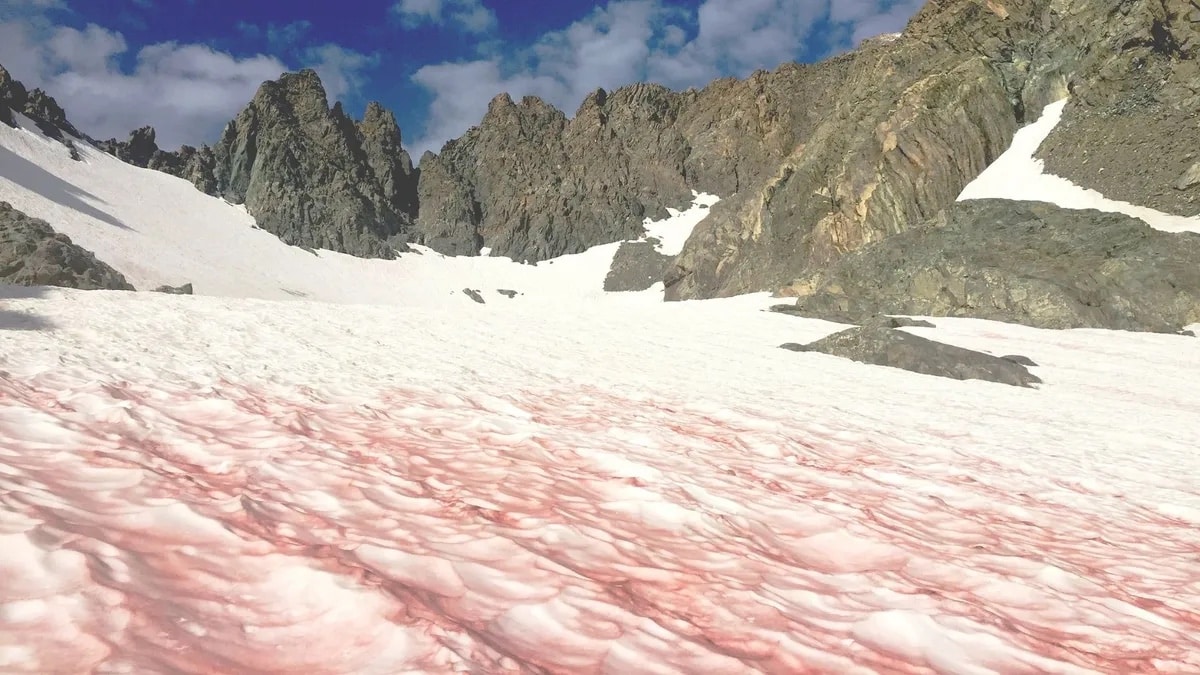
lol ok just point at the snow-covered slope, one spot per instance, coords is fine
(566, 482)
(159, 230)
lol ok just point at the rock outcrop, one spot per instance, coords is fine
(314, 177)
(1131, 130)
(893, 348)
(33, 254)
(917, 118)
(195, 165)
(636, 266)
(531, 184)
(1022, 262)
(38, 106)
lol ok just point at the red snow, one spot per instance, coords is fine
(148, 528)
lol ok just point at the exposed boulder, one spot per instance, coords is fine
(474, 295)
(880, 346)
(1190, 178)
(33, 254)
(185, 289)
(1023, 262)
(311, 175)
(636, 266)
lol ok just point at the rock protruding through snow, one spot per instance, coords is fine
(882, 346)
(33, 254)
(311, 175)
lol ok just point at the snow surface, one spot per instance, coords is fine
(196, 484)
(1017, 174)
(567, 482)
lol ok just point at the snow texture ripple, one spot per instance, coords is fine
(192, 485)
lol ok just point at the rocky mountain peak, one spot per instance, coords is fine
(36, 105)
(312, 175)
(379, 123)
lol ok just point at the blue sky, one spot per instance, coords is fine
(188, 66)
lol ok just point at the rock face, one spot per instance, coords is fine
(897, 349)
(530, 184)
(1131, 130)
(32, 254)
(37, 105)
(1023, 262)
(812, 162)
(308, 173)
(636, 266)
(917, 118)
(311, 175)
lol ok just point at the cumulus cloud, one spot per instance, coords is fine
(186, 91)
(627, 41)
(469, 16)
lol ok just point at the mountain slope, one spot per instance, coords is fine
(159, 230)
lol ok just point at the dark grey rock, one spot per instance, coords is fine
(314, 177)
(474, 295)
(197, 166)
(1020, 360)
(636, 266)
(37, 105)
(141, 147)
(1022, 262)
(33, 254)
(185, 289)
(1188, 333)
(507, 293)
(897, 349)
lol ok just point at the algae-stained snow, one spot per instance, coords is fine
(382, 476)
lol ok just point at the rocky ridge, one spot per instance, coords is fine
(918, 118)
(313, 176)
(33, 254)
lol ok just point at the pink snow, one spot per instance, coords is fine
(156, 527)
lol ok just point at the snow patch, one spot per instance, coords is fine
(673, 232)
(1017, 174)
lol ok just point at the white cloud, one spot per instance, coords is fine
(469, 16)
(633, 40)
(186, 91)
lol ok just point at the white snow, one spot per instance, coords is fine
(672, 233)
(567, 482)
(1017, 174)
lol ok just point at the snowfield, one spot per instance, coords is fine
(382, 476)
